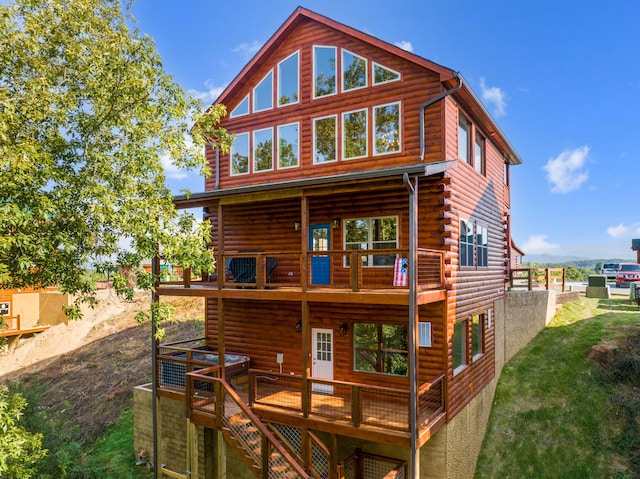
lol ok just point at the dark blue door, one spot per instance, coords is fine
(320, 264)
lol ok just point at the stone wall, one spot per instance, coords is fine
(452, 453)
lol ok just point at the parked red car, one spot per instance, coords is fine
(627, 273)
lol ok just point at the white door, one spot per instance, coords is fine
(322, 363)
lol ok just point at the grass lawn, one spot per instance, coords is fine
(557, 413)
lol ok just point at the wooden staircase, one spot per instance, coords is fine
(213, 399)
(250, 443)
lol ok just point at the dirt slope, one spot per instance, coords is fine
(89, 367)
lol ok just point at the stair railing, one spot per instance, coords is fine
(245, 428)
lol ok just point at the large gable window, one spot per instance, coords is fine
(386, 119)
(288, 80)
(288, 145)
(372, 234)
(354, 71)
(240, 155)
(324, 139)
(354, 134)
(324, 71)
(263, 150)
(263, 94)
(384, 75)
(242, 108)
(380, 348)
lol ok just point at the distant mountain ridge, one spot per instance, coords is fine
(573, 260)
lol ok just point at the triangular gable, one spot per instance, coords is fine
(301, 14)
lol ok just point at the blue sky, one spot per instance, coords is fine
(561, 78)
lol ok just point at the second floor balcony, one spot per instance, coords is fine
(315, 274)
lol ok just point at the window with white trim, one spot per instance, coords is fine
(466, 252)
(263, 150)
(383, 74)
(324, 71)
(386, 124)
(288, 80)
(424, 334)
(263, 94)
(372, 234)
(354, 71)
(479, 153)
(482, 244)
(477, 331)
(242, 108)
(288, 145)
(459, 346)
(464, 138)
(354, 134)
(325, 139)
(239, 155)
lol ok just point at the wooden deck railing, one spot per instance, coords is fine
(339, 269)
(379, 466)
(358, 404)
(538, 278)
(210, 395)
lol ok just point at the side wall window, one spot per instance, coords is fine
(459, 346)
(464, 138)
(466, 243)
(380, 348)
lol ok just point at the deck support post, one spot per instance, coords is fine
(155, 298)
(412, 186)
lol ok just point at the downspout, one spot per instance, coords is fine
(216, 186)
(413, 356)
(430, 102)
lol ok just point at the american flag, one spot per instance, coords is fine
(401, 272)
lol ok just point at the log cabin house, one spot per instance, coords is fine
(361, 228)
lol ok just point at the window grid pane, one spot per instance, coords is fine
(459, 344)
(325, 140)
(288, 81)
(324, 67)
(263, 94)
(463, 139)
(387, 128)
(240, 155)
(288, 146)
(354, 134)
(263, 150)
(354, 71)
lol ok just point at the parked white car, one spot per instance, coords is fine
(609, 270)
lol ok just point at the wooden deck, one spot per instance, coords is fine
(348, 409)
(343, 295)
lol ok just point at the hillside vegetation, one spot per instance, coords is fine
(568, 405)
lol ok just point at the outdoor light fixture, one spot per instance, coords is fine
(297, 226)
(299, 327)
(343, 329)
(335, 223)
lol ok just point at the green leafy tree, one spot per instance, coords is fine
(86, 115)
(20, 450)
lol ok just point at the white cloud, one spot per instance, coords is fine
(171, 170)
(248, 49)
(617, 231)
(538, 244)
(405, 45)
(494, 96)
(210, 94)
(566, 171)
